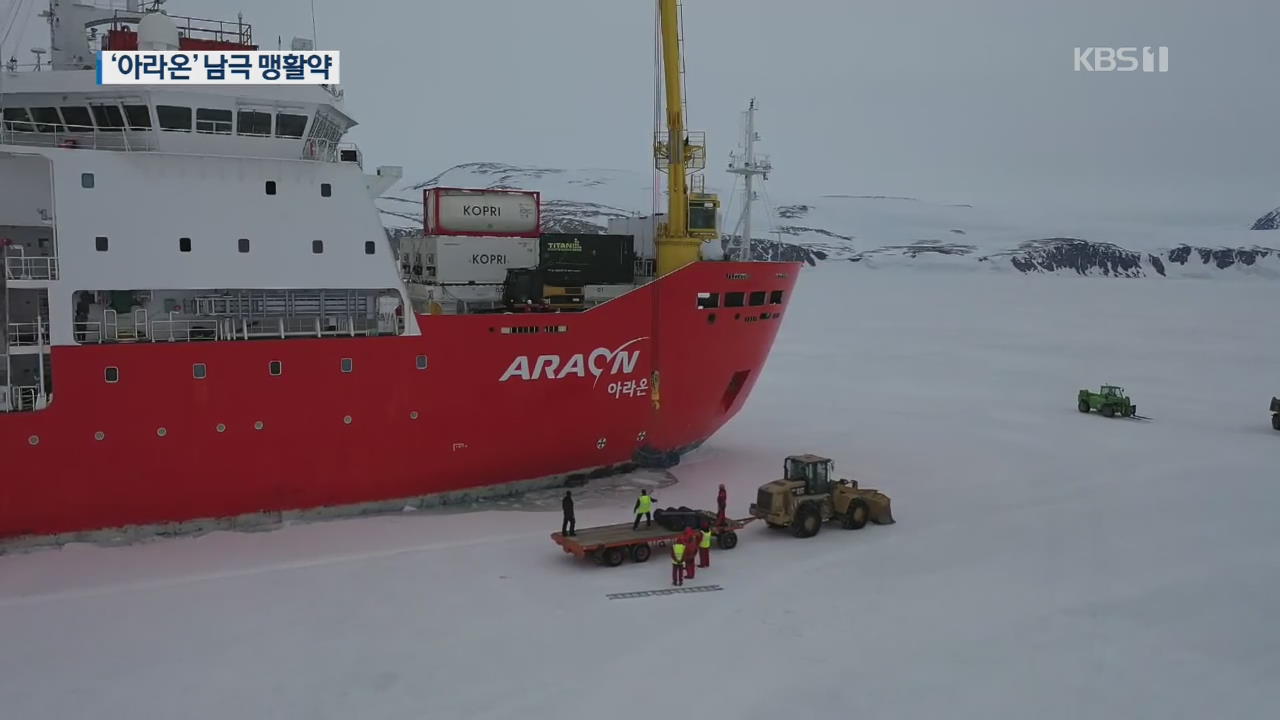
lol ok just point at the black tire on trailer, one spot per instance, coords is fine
(612, 557)
(1083, 406)
(728, 540)
(1275, 421)
(640, 553)
(1107, 411)
(856, 515)
(808, 521)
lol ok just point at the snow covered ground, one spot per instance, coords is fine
(1045, 563)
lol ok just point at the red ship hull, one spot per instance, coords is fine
(161, 446)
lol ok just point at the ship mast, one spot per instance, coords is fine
(748, 165)
(691, 216)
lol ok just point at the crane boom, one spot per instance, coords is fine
(691, 217)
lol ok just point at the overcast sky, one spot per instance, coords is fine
(953, 97)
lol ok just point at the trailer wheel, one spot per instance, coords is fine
(1108, 411)
(1084, 406)
(1275, 421)
(808, 521)
(612, 557)
(855, 516)
(640, 553)
(728, 540)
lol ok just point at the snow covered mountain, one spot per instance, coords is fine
(881, 230)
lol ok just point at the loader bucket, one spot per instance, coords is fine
(881, 510)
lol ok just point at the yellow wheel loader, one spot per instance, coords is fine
(808, 495)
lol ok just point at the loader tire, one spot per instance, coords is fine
(808, 521)
(1108, 411)
(856, 515)
(1275, 421)
(1083, 406)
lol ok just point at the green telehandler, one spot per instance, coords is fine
(1109, 401)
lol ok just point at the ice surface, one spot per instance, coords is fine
(1045, 564)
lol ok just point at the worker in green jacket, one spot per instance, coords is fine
(643, 507)
(677, 563)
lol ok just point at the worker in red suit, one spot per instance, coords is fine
(704, 546)
(721, 499)
(690, 540)
(677, 562)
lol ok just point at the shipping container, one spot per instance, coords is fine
(491, 213)
(568, 259)
(643, 229)
(602, 293)
(464, 260)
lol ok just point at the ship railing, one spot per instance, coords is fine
(25, 398)
(330, 151)
(28, 334)
(183, 330)
(75, 137)
(88, 332)
(23, 267)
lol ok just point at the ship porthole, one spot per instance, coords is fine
(413, 415)
(711, 318)
(161, 432)
(347, 419)
(640, 436)
(34, 439)
(257, 425)
(221, 428)
(601, 443)
(99, 435)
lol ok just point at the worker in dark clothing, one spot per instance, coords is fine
(643, 507)
(569, 526)
(677, 563)
(721, 499)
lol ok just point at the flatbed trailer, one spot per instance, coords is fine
(611, 544)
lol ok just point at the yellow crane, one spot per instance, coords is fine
(691, 216)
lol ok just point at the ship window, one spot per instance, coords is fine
(275, 367)
(77, 117)
(86, 180)
(17, 119)
(109, 117)
(369, 247)
(112, 374)
(317, 246)
(199, 371)
(244, 245)
(757, 298)
(47, 119)
(775, 297)
(100, 243)
(706, 301)
(138, 117)
(326, 190)
(212, 120)
(184, 244)
(346, 365)
(290, 125)
(252, 122)
(733, 299)
(172, 117)
(271, 187)
(422, 362)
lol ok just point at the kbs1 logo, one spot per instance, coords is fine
(1122, 59)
